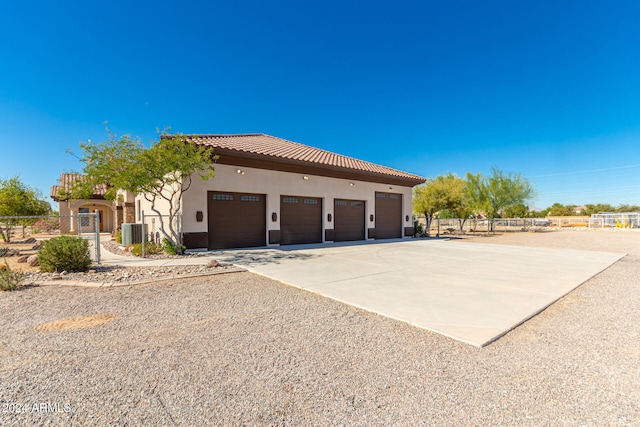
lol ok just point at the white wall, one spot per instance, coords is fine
(274, 184)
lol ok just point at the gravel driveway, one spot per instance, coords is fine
(241, 349)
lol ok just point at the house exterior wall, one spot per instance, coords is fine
(275, 183)
(69, 211)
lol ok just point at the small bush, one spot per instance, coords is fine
(170, 248)
(46, 225)
(150, 248)
(65, 253)
(118, 237)
(9, 280)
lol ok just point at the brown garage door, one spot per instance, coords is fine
(236, 220)
(348, 220)
(388, 215)
(300, 220)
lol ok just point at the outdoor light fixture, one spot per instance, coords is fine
(240, 171)
(274, 217)
(199, 216)
(305, 177)
(351, 184)
(390, 188)
(406, 218)
(329, 218)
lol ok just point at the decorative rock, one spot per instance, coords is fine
(39, 244)
(11, 252)
(33, 261)
(23, 258)
(213, 264)
(26, 241)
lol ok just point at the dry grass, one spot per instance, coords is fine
(75, 323)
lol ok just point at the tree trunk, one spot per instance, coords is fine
(4, 236)
(461, 221)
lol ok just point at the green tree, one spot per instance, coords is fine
(161, 173)
(598, 208)
(443, 193)
(491, 195)
(517, 211)
(628, 208)
(558, 209)
(18, 199)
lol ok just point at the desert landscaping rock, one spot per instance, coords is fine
(23, 259)
(240, 349)
(33, 260)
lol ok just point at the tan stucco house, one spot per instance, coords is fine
(268, 191)
(112, 214)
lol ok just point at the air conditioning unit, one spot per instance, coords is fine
(131, 233)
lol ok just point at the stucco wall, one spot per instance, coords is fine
(70, 208)
(274, 184)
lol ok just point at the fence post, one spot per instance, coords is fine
(144, 235)
(97, 236)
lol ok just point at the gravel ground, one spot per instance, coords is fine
(241, 349)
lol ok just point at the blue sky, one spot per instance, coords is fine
(547, 89)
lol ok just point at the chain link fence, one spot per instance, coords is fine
(86, 225)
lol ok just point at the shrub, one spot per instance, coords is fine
(9, 280)
(46, 225)
(118, 236)
(150, 248)
(170, 248)
(65, 253)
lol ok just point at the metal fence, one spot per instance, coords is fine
(615, 220)
(451, 226)
(85, 225)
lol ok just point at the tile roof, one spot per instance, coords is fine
(68, 180)
(280, 149)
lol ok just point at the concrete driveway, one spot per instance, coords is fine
(471, 292)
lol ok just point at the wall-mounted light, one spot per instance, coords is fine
(351, 184)
(199, 216)
(390, 188)
(305, 177)
(329, 217)
(274, 217)
(406, 218)
(240, 171)
(371, 217)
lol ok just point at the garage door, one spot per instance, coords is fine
(236, 220)
(348, 220)
(388, 215)
(300, 220)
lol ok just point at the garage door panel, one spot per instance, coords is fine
(349, 220)
(300, 220)
(388, 215)
(236, 220)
